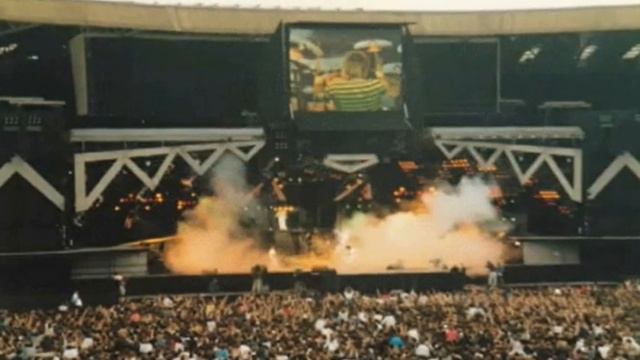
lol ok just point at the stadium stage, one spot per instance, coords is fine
(54, 275)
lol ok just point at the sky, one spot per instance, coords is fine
(397, 5)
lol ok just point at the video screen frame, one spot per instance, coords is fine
(319, 112)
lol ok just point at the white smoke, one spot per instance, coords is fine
(210, 238)
(446, 226)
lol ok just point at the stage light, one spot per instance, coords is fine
(530, 54)
(7, 49)
(632, 53)
(587, 52)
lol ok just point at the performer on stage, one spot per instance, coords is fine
(258, 272)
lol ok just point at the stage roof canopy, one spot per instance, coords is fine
(259, 17)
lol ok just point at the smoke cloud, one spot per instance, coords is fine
(451, 225)
(210, 238)
(448, 227)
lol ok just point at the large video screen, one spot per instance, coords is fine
(186, 81)
(345, 69)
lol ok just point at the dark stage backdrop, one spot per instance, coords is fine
(457, 76)
(186, 80)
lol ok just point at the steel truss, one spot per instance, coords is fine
(350, 163)
(245, 143)
(124, 159)
(546, 155)
(625, 160)
(452, 141)
(17, 166)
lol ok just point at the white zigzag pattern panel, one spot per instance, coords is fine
(124, 159)
(625, 160)
(17, 166)
(350, 163)
(545, 155)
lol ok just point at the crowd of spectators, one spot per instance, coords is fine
(587, 322)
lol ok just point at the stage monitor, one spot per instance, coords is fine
(345, 77)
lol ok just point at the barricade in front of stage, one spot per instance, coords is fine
(98, 290)
(519, 274)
